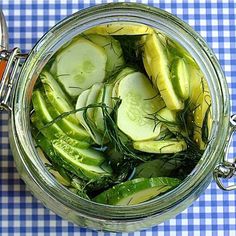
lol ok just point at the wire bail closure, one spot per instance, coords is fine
(10, 62)
(226, 169)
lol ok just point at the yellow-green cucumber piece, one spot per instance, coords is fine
(196, 88)
(81, 102)
(169, 119)
(180, 78)
(115, 59)
(105, 96)
(87, 156)
(176, 49)
(158, 66)
(160, 146)
(92, 98)
(56, 96)
(80, 65)
(120, 29)
(199, 116)
(139, 100)
(200, 103)
(165, 134)
(136, 191)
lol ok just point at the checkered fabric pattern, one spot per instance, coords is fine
(214, 213)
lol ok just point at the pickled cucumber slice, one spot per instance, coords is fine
(104, 96)
(200, 103)
(86, 156)
(84, 171)
(56, 96)
(180, 78)
(115, 59)
(120, 29)
(92, 98)
(46, 113)
(158, 66)
(139, 100)
(136, 191)
(169, 119)
(81, 102)
(126, 71)
(161, 146)
(52, 131)
(80, 65)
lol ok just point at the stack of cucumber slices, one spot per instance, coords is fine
(121, 114)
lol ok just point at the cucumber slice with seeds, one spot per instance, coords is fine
(86, 156)
(84, 171)
(161, 146)
(115, 59)
(80, 65)
(136, 191)
(138, 102)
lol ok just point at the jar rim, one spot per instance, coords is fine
(63, 32)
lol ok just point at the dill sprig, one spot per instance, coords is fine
(115, 136)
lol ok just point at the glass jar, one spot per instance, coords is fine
(16, 98)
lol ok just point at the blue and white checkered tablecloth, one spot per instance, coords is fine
(214, 213)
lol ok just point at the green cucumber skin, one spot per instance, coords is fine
(46, 146)
(56, 96)
(80, 172)
(51, 132)
(75, 131)
(46, 113)
(54, 132)
(78, 153)
(118, 192)
(58, 160)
